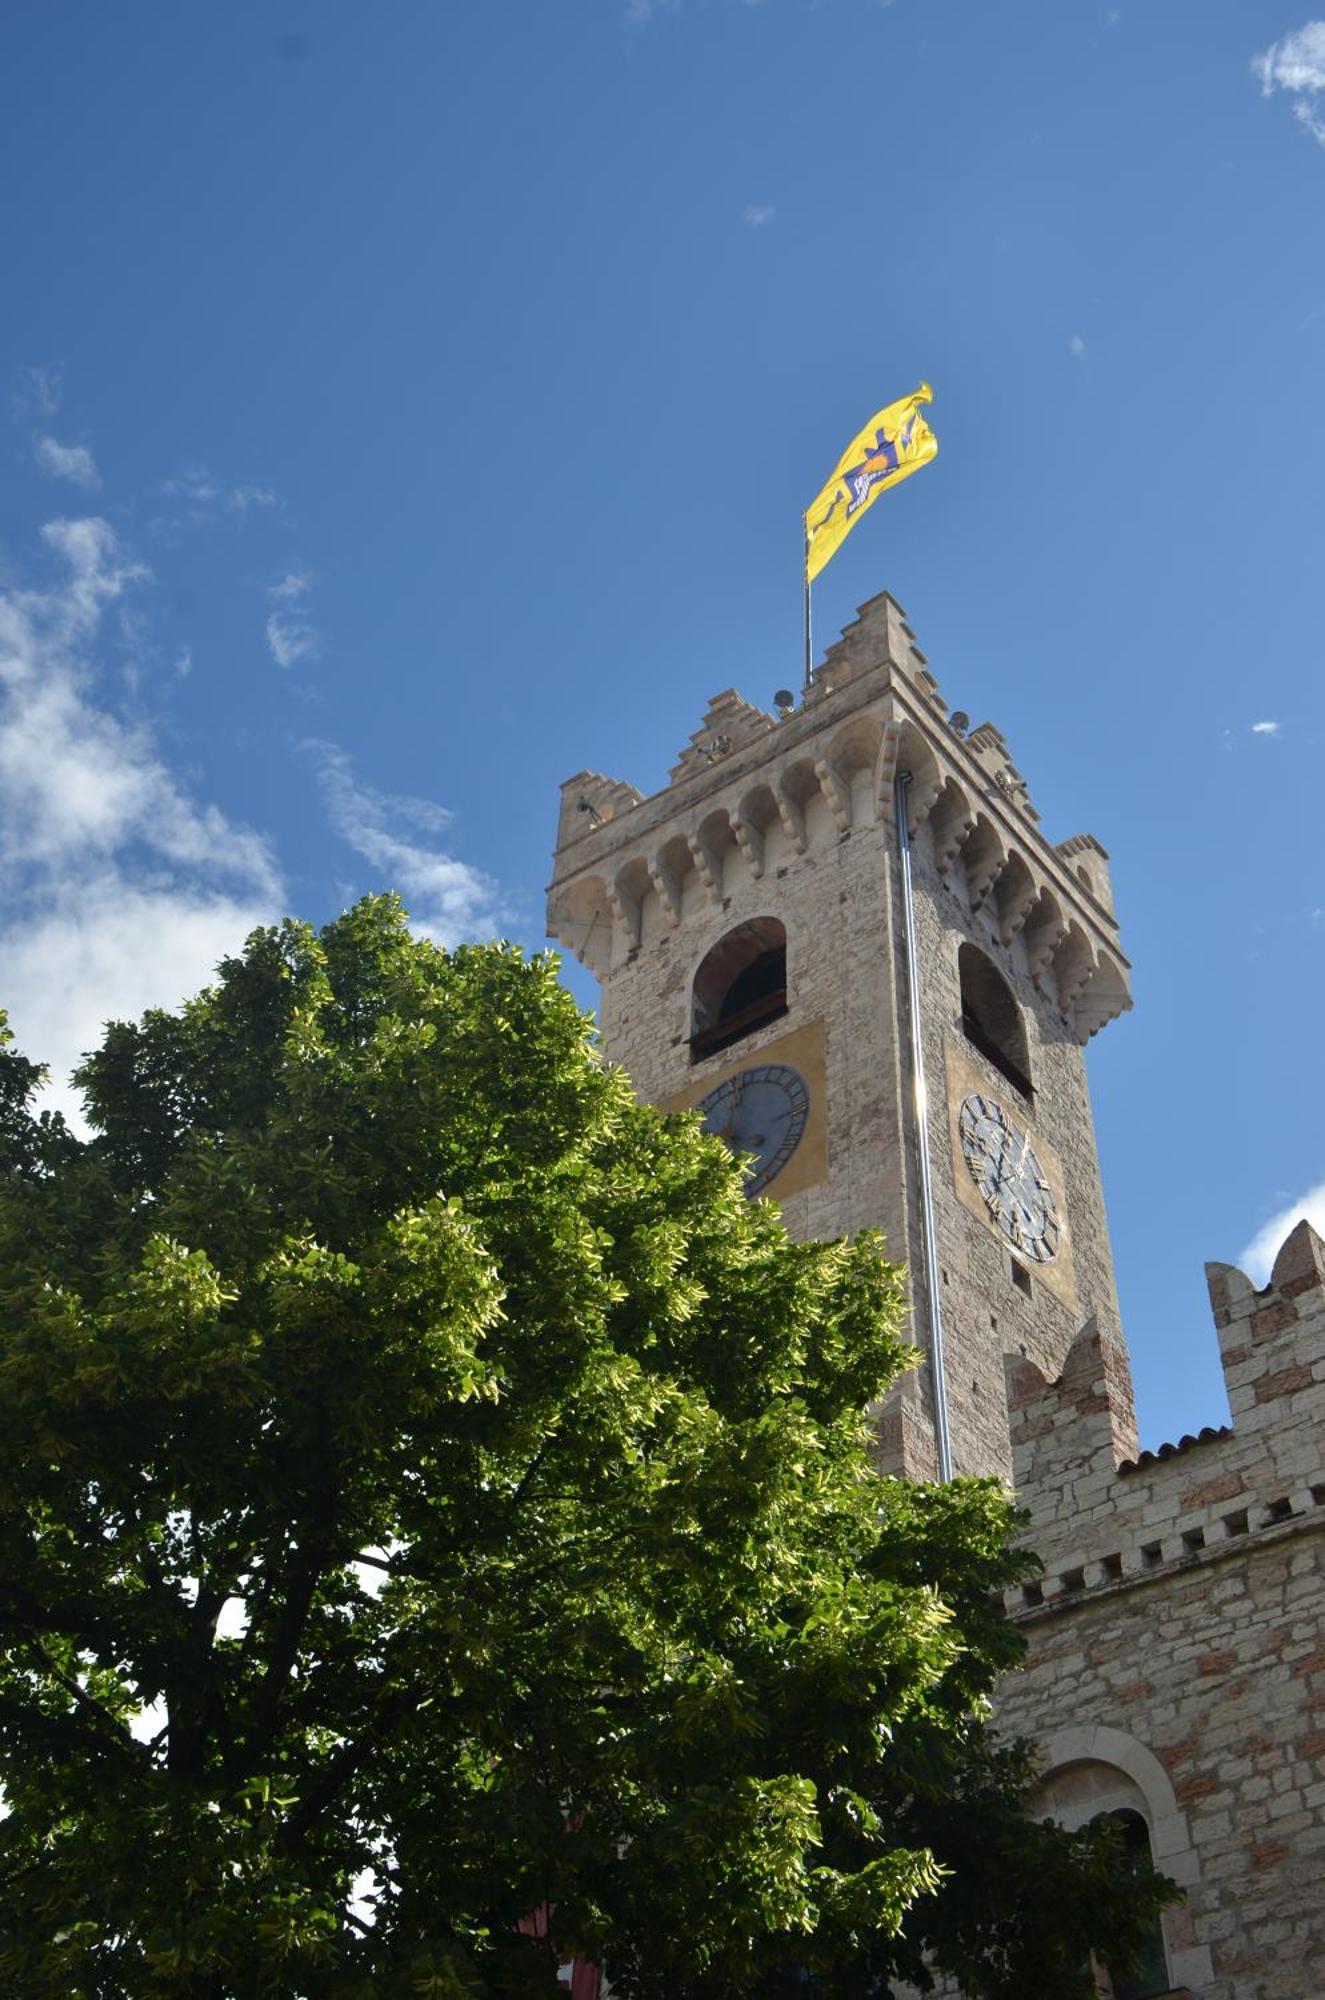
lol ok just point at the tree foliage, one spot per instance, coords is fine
(430, 1492)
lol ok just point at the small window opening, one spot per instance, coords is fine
(1193, 1539)
(1278, 1510)
(1152, 1554)
(1074, 1579)
(991, 1018)
(1318, 1496)
(1032, 1593)
(1113, 1568)
(741, 985)
(1236, 1524)
(1151, 1979)
(1021, 1277)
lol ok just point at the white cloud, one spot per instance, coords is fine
(1265, 728)
(757, 213)
(449, 900)
(240, 498)
(291, 634)
(117, 890)
(37, 394)
(66, 461)
(1296, 64)
(206, 496)
(196, 486)
(1076, 347)
(1257, 1257)
(640, 12)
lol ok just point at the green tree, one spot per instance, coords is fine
(430, 1492)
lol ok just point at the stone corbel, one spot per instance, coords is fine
(793, 820)
(1100, 1000)
(1014, 909)
(837, 794)
(1073, 966)
(750, 840)
(921, 795)
(1042, 941)
(707, 866)
(981, 876)
(669, 890)
(885, 776)
(950, 831)
(626, 912)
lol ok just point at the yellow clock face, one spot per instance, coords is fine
(1012, 1183)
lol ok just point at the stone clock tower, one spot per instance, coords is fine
(840, 932)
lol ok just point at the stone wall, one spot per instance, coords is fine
(1177, 1639)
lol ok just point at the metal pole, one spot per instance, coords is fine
(809, 638)
(930, 1241)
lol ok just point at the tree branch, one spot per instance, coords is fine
(124, 1742)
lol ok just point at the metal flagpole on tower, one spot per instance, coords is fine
(809, 630)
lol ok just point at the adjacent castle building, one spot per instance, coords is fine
(841, 932)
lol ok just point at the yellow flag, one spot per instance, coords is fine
(893, 444)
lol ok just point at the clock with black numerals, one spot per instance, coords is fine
(1016, 1191)
(760, 1111)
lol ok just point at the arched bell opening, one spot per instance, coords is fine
(741, 985)
(991, 1018)
(1150, 1980)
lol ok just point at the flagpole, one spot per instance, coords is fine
(809, 629)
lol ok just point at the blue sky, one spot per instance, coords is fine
(402, 408)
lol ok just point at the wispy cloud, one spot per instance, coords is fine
(291, 633)
(1296, 65)
(206, 497)
(37, 394)
(1257, 1257)
(66, 461)
(196, 486)
(240, 498)
(118, 891)
(640, 12)
(757, 214)
(1265, 728)
(1076, 347)
(399, 836)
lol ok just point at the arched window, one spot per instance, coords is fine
(740, 985)
(991, 1018)
(1152, 1975)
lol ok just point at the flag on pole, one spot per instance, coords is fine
(893, 444)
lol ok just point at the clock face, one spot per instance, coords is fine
(1010, 1178)
(760, 1111)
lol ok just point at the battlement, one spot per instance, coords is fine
(629, 868)
(1105, 1518)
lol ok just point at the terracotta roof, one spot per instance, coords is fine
(1208, 1434)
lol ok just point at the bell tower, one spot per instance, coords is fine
(840, 932)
